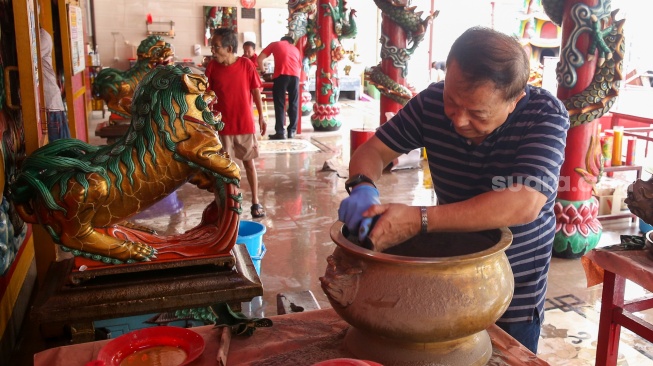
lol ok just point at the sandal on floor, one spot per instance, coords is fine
(257, 211)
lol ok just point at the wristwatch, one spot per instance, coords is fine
(356, 180)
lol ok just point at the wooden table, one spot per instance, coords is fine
(621, 265)
(295, 339)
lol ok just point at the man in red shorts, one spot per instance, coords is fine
(235, 82)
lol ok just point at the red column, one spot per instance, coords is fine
(586, 70)
(326, 108)
(304, 95)
(397, 37)
(303, 83)
(578, 138)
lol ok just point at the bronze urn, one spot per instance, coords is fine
(427, 301)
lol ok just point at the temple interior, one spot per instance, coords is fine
(282, 293)
(301, 187)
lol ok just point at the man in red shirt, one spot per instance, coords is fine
(235, 82)
(249, 52)
(287, 68)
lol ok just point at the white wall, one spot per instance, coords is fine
(126, 20)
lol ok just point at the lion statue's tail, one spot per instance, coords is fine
(35, 181)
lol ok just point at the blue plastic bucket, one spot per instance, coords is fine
(256, 260)
(250, 234)
(644, 227)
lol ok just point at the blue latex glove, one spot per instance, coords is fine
(367, 224)
(352, 208)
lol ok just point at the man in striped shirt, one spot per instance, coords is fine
(495, 146)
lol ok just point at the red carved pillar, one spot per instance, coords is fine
(578, 137)
(326, 108)
(588, 30)
(305, 95)
(303, 84)
(397, 37)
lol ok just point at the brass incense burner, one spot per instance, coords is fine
(427, 301)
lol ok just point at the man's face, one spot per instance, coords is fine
(219, 52)
(248, 51)
(475, 111)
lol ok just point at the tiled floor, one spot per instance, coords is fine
(301, 191)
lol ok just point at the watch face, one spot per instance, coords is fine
(248, 4)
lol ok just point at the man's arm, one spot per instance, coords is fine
(516, 205)
(512, 205)
(260, 59)
(256, 94)
(371, 158)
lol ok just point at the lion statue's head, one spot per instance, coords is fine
(155, 51)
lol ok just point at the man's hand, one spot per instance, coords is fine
(397, 224)
(262, 124)
(352, 208)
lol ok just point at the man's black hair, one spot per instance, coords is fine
(288, 39)
(228, 38)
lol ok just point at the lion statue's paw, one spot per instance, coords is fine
(135, 251)
(122, 252)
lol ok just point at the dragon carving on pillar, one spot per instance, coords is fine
(597, 64)
(415, 28)
(343, 26)
(302, 27)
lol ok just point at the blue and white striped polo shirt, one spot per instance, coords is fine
(527, 149)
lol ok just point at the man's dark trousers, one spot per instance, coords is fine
(283, 84)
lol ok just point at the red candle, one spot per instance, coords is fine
(358, 137)
(631, 150)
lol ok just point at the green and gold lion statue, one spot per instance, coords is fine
(83, 194)
(113, 85)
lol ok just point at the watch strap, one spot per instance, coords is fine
(356, 180)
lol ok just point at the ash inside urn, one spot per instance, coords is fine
(443, 244)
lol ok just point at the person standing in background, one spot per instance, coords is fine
(287, 68)
(249, 52)
(235, 82)
(56, 117)
(438, 71)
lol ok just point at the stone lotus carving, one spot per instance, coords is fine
(82, 193)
